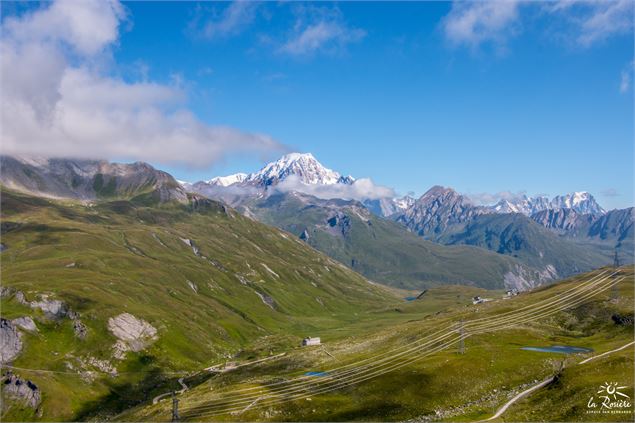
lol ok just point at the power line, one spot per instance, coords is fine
(461, 338)
(615, 292)
(390, 355)
(224, 406)
(355, 373)
(287, 398)
(175, 407)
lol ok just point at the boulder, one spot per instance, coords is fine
(26, 323)
(133, 334)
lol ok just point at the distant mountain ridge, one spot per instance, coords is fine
(580, 202)
(89, 179)
(550, 243)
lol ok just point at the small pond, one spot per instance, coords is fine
(562, 349)
(410, 298)
(316, 374)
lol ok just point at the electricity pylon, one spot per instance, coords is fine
(175, 407)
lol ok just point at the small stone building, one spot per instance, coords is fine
(310, 341)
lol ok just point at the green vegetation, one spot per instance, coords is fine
(115, 257)
(444, 385)
(518, 236)
(380, 249)
(220, 287)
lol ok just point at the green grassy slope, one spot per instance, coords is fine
(115, 257)
(444, 386)
(382, 250)
(518, 236)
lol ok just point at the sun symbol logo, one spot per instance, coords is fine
(612, 390)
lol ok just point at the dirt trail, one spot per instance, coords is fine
(548, 381)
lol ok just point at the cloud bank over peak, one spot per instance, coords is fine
(59, 101)
(360, 189)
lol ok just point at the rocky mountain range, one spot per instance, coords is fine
(580, 202)
(89, 179)
(543, 239)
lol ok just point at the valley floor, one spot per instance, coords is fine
(413, 370)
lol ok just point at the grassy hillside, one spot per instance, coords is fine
(383, 250)
(240, 289)
(518, 236)
(441, 385)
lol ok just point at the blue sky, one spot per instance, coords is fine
(485, 98)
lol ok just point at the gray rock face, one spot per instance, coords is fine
(565, 221)
(6, 291)
(436, 210)
(133, 334)
(266, 299)
(26, 323)
(340, 224)
(22, 390)
(10, 341)
(51, 308)
(19, 297)
(80, 329)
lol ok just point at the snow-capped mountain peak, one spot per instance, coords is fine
(225, 181)
(582, 202)
(404, 202)
(303, 166)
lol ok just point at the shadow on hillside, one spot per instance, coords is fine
(125, 394)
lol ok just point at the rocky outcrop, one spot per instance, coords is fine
(133, 334)
(191, 244)
(80, 329)
(26, 323)
(24, 391)
(10, 341)
(51, 308)
(622, 319)
(522, 279)
(8, 292)
(340, 224)
(266, 299)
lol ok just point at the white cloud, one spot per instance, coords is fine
(319, 29)
(592, 21)
(361, 189)
(626, 78)
(477, 22)
(235, 17)
(321, 35)
(583, 22)
(56, 102)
